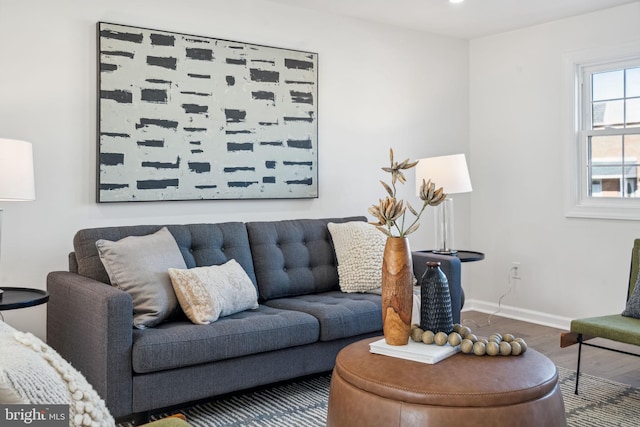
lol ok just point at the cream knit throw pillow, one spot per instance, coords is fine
(359, 249)
(31, 372)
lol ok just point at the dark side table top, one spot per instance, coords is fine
(13, 298)
(464, 256)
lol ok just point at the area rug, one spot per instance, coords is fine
(600, 403)
(304, 403)
(298, 404)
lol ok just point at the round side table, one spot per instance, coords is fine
(464, 255)
(14, 298)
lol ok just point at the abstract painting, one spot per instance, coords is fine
(184, 117)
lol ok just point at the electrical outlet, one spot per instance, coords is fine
(514, 273)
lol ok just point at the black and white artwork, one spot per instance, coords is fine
(185, 117)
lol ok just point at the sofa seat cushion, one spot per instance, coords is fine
(341, 315)
(178, 344)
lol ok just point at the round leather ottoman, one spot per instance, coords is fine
(464, 390)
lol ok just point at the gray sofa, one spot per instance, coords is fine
(302, 322)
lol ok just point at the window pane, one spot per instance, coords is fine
(631, 182)
(606, 181)
(608, 114)
(631, 161)
(632, 149)
(606, 149)
(609, 85)
(606, 166)
(633, 82)
(609, 176)
(633, 112)
(630, 186)
(605, 187)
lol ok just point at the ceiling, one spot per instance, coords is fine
(467, 20)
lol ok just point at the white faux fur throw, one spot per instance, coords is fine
(35, 373)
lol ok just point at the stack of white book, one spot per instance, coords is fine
(419, 352)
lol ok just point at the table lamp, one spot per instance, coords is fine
(16, 174)
(450, 173)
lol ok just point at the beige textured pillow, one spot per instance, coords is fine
(138, 265)
(359, 249)
(208, 293)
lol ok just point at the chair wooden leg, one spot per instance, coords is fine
(579, 355)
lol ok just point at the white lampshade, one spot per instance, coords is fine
(448, 172)
(16, 171)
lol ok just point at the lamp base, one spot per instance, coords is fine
(444, 228)
(445, 251)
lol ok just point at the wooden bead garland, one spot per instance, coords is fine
(495, 344)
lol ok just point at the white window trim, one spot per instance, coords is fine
(578, 203)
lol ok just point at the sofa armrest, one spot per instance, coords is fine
(450, 266)
(90, 324)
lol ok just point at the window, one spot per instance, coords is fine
(611, 129)
(606, 135)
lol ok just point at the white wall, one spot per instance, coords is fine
(570, 267)
(380, 87)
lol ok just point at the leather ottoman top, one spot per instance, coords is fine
(462, 380)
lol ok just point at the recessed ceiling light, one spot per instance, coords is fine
(456, 1)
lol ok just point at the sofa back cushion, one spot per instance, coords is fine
(200, 244)
(294, 257)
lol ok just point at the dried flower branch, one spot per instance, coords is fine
(390, 212)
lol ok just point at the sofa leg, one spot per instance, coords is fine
(140, 418)
(579, 355)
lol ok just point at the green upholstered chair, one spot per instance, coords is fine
(613, 327)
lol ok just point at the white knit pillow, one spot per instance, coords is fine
(359, 249)
(31, 372)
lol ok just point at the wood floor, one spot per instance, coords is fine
(600, 363)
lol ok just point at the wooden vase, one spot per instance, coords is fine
(397, 291)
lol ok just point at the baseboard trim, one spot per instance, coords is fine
(517, 313)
